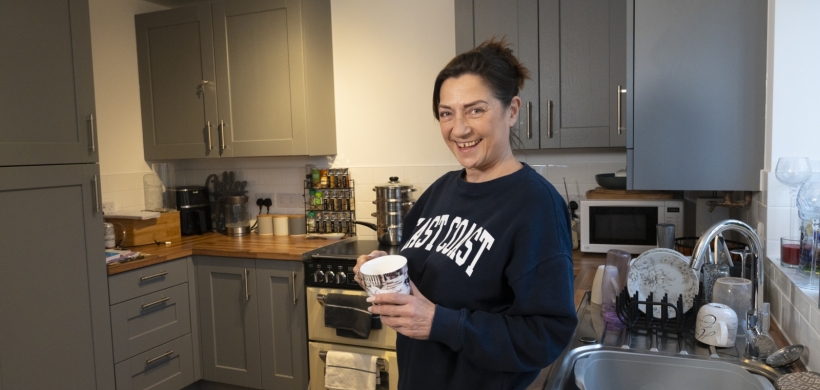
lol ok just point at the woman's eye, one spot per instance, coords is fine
(443, 114)
(476, 111)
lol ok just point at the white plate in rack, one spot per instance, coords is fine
(662, 271)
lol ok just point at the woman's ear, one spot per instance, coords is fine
(515, 108)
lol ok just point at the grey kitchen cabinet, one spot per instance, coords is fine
(229, 322)
(46, 83)
(517, 22)
(576, 53)
(282, 324)
(176, 72)
(697, 82)
(255, 78)
(54, 315)
(593, 70)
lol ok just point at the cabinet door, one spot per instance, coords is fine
(46, 83)
(586, 89)
(259, 71)
(177, 83)
(54, 316)
(282, 324)
(518, 22)
(699, 74)
(228, 321)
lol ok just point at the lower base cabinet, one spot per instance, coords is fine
(252, 319)
(167, 367)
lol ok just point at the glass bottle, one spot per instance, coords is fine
(323, 178)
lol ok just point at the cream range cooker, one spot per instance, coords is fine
(330, 271)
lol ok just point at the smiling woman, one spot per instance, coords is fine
(488, 247)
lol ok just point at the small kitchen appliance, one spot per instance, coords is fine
(627, 224)
(233, 215)
(194, 209)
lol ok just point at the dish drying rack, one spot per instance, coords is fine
(628, 311)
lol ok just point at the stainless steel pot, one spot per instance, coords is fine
(393, 205)
(393, 201)
(393, 189)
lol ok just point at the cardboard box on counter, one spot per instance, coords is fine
(148, 231)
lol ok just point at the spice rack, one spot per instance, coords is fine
(330, 202)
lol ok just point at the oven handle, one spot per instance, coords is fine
(381, 364)
(321, 299)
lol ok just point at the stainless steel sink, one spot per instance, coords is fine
(614, 337)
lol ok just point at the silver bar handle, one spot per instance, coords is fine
(247, 293)
(619, 92)
(381, 364)
(154, 276)
(321, 299)
(221, 136)
(549, 118)
(210, 145)
(529, 120)
(97, 202)
(164, 355)
(90, 119)
(157, 302)
(293, 286)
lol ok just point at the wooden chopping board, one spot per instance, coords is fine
(603, 193)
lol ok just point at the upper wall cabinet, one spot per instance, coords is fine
(697, 82)
(46, 83)
(237, 79)
(575, 51)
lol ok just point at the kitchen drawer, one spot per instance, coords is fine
(132, 284)
(143, 323)
(170, 372)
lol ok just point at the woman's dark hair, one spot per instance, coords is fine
(493, 61)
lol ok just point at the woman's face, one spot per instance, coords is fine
(475, 125)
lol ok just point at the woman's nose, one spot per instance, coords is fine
(460, 125)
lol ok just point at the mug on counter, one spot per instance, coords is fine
(716, 325)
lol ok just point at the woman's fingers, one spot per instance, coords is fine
(409, 315)
(360, 261)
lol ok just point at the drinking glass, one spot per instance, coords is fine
(736, 293)
(808, 207)
(711, 273)
(789, 252)
(793, 171)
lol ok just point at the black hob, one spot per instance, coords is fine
(333, 266)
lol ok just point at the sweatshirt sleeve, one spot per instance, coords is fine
(528, 336)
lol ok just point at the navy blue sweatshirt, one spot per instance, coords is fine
(496, 259)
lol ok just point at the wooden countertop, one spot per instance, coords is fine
(252, 246)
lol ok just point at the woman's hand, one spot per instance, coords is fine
(364, 259)
(410, 315)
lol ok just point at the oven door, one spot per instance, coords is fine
(384, 338)
(388, 365)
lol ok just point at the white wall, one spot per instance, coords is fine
(116, 89)
(116, 84)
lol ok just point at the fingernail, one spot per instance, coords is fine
(368, 308)
(370, 299)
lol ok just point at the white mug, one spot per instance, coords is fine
(386, 274)
(716, 325)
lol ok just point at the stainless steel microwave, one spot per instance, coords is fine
(628, 225)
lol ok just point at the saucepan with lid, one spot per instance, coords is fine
(393, 202)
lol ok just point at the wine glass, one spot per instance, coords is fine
(808, 206)
(793, 171)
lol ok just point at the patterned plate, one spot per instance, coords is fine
(662, 271)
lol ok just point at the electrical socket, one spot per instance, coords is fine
(290, 201)
(108, 207)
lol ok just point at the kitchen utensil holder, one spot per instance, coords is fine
(627, 309)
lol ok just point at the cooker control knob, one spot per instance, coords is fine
(318, 276)
(341, 278)
(330, 277)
